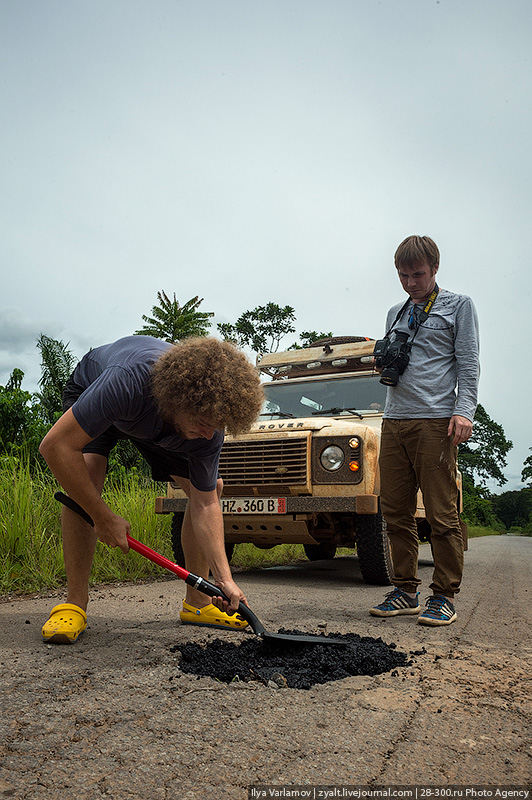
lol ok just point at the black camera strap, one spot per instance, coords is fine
(423, 314)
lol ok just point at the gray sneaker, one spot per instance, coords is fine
(397, 602)
(439, 611)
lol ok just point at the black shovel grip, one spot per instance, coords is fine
(213, 591)
(73, 506)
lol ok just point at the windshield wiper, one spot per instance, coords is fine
(276, 414)
(337, 411)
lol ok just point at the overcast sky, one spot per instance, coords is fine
(250, 151)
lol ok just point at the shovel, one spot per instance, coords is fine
(204, 586)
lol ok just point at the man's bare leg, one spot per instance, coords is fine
(195, 560)
(79, 540)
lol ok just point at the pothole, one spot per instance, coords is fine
(298, 666)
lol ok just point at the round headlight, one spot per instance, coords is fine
(332, 457)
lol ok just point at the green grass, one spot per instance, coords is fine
(477, 530)
(247, 556)
(31, 557)
(30, 554)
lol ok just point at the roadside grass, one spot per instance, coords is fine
(31, 557)
(247, 556)
(30, 552)
(474, 531)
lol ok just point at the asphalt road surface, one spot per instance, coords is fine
(113, 716)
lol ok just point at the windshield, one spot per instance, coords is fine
(335, 397)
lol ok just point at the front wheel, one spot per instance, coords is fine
(175, 530)
(177, 547)
(373, 549)
(320, 552)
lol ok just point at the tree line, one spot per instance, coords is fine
(25, 417)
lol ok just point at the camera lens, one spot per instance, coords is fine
(389, 377)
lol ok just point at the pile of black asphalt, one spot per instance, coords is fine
(286, 664)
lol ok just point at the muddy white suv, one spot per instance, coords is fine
(307, 471)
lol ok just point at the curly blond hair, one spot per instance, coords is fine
(204, 377)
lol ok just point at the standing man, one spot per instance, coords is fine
(173, 402)
(432, 380)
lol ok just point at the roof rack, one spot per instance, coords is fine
(314, 358)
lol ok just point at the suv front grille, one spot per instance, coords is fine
(276, 462)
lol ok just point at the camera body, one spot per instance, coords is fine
(392, 357)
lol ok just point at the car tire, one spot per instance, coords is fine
(177, 547)
(175, 530)
(373, 549)
(320, 552)
(424, 534)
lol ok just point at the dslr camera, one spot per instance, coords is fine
(392, 357)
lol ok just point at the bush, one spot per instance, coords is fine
(478, 507)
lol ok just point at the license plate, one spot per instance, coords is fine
(253, 505)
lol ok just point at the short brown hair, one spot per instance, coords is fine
(205, 377)
(415, 250)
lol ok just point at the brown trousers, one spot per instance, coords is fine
(417, 453)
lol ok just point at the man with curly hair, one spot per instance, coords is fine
(173, 402)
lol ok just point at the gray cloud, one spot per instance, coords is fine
(17, 331)
(253, 152)
(18, 344)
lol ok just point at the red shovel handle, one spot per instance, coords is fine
(193, 580)
(147, 552)
(158, 559)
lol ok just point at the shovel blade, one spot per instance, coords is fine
(300, 638)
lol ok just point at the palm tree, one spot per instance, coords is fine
(173, 322)
(57, 363)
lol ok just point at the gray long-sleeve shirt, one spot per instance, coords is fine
(442, 376)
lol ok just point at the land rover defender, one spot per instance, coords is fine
(307, 471)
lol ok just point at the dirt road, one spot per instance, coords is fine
(112, 716)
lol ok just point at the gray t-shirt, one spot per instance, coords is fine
(442, 376)
(116, 383)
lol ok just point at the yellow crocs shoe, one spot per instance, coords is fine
(210, 617)
(65, 625)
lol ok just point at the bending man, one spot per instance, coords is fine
(173, 402)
